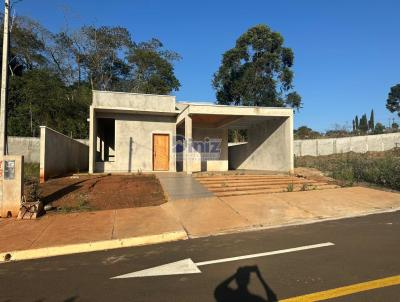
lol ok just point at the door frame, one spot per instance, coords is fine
(153, 149)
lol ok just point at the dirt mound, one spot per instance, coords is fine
(77, 193)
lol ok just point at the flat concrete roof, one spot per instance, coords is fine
(139, 103)
(196, 108)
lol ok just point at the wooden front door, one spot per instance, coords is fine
(160, 152)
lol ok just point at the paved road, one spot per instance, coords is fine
(366, 248)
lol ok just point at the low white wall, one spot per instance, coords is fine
(60, 154)
(358, 144)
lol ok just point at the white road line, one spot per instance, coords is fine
(187, 266)
(295, 249)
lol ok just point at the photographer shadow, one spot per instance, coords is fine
(223, 292)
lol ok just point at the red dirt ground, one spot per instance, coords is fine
(103, 192)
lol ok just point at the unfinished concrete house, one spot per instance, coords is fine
(132, 132)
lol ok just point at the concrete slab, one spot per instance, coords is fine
(180, 186)
(144, 221)
(77, 228)
(266, 209)
(20, 234)
(206, 216)
(341, 202)
(304, 206)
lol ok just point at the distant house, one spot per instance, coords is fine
(132, 132)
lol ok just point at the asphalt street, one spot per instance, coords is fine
(365, 249)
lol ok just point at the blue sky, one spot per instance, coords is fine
(346, 52)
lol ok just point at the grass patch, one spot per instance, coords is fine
(380, 168)
(82, 206)
(31, 171)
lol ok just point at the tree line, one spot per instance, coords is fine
(365, 125)
(52, 74)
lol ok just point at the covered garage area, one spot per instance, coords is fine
(269, 144)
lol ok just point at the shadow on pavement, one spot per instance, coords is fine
(223, 292)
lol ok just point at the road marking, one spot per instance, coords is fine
(295, 249)
(187, 266)
(346, 290)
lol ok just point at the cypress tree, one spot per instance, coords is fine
(371, 123)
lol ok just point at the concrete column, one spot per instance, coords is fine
(291, 148)
(188, 141)
(92, 139)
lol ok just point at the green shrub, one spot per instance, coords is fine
(377, 168)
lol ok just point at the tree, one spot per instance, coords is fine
(151, 68)
(363, 126)
(371, 122)
(98, 51)
(354, 125)
(40, 98)
(393, 100)
(395, 126)
(357, 123)
(305, 132)
(379, 128)
(52, 74)
(257, 71)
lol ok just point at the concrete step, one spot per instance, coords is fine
(264, 187)
(268, 191)
(243, 178)
(254, 181)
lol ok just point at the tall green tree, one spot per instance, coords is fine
(393, 100)
(357, 123)
(152, 69)
(371, 122)
(257, 71)
(363, 126)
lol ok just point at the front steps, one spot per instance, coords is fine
(236, 185)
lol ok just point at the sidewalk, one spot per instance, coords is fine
(61, 234)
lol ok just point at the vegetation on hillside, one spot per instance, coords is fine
(52, 74)
(380, 168)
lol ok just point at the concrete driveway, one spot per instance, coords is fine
(210, 216)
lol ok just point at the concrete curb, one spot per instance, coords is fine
(90, 246)
(260, 227)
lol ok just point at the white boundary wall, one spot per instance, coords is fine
(358, 144)
(60, 154)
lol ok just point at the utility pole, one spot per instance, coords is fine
(4, 82)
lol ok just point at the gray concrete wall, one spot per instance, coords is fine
(269, 147)
(134, 141)
(29, 147)
(60, 154)
(134, 101)
(358, 144)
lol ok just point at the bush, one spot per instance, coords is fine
(378, 168)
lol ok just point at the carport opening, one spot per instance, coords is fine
(105, 140)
